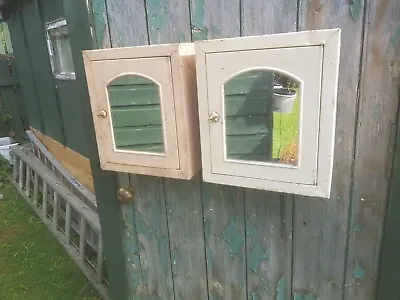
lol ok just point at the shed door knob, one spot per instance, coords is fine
(125, 195)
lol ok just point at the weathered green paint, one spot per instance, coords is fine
(51, 10)
(395, 39)
(356, 7)
(105, 182)
(233, 238)
(358, 271)
(281, 289)
(45, 85)
(299, 296)
(199, 31)
(31, 106)
(132, 116)
(99, 20)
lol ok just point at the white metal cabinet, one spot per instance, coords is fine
(144, 109)
(241, 110)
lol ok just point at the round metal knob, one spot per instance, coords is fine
(214, 116)
(125, 195)
(102, 113)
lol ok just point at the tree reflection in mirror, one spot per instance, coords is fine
(262, 117)
(136, 114)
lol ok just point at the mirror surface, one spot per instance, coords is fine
(262, 117)
(136, 114)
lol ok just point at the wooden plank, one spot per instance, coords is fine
(247, 124)
(246, 144)
(168, 21)
(390, 259)
(124, 32)
(185, 222)
(153, 237)
(242, 105)
(224, 225)
(378, 108)
(321, 226)
(44, 82)
(99, 21)
(105, 182)
(269, 216)
(72, 161)
(71, 181)
(30, 100)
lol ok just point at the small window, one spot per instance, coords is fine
(60, 50)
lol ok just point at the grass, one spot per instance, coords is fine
(33, 265)
(285, 130)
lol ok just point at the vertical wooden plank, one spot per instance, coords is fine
(388, 287)
(131, 243)
(224, 229)
(42, 72)
(268, 17)
(186, 234)
(321, 225)
(99, 22)
(224, 217)
(105, 183)
(268, 215)
(152, 233)
(379, 100)
(123, 30)
(168, 21)
(25, 74)
(214, 19)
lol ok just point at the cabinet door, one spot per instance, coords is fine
(134, 112)
(258, 127)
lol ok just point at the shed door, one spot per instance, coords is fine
(257, 127)
(135, 118)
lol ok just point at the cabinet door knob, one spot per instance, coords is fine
(125, 195)
(214, 117)
(102, 113)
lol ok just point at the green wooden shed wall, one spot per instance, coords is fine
(194, 240)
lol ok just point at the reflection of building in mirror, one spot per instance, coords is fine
(262, 117)
(136, 114)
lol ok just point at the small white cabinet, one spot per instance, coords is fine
(267, 108)
(144, 109)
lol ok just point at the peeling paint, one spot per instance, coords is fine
(395, 40)
(99, 20)
(199, 31)
(298, 296)
(357, 227)
(358, 271)
(256, 255)
(207, 233)
(233, 238)
(280, 289)
(355, 9)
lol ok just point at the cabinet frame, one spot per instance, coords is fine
(184, 121)
(329, 40)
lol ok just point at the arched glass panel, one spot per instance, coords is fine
(262, 117)
(136, 114)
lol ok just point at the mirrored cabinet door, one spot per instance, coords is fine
(267, 107)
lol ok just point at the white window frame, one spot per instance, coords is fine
(49, 26)
(329, 40)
